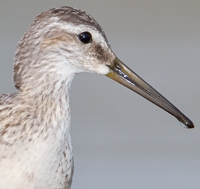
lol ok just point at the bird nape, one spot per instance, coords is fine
(35, 141)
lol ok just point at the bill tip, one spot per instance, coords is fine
(188, 125)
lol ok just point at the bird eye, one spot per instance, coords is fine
(85, 37)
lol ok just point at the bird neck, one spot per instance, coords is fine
(50, 103)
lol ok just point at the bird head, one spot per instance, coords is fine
(64, 41)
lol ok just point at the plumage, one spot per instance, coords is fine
(35, 144)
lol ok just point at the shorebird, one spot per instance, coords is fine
(35, 142)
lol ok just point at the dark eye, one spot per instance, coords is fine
(85, 37)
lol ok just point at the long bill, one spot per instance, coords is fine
(125, 76)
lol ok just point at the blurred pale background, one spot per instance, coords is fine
(121, 140)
